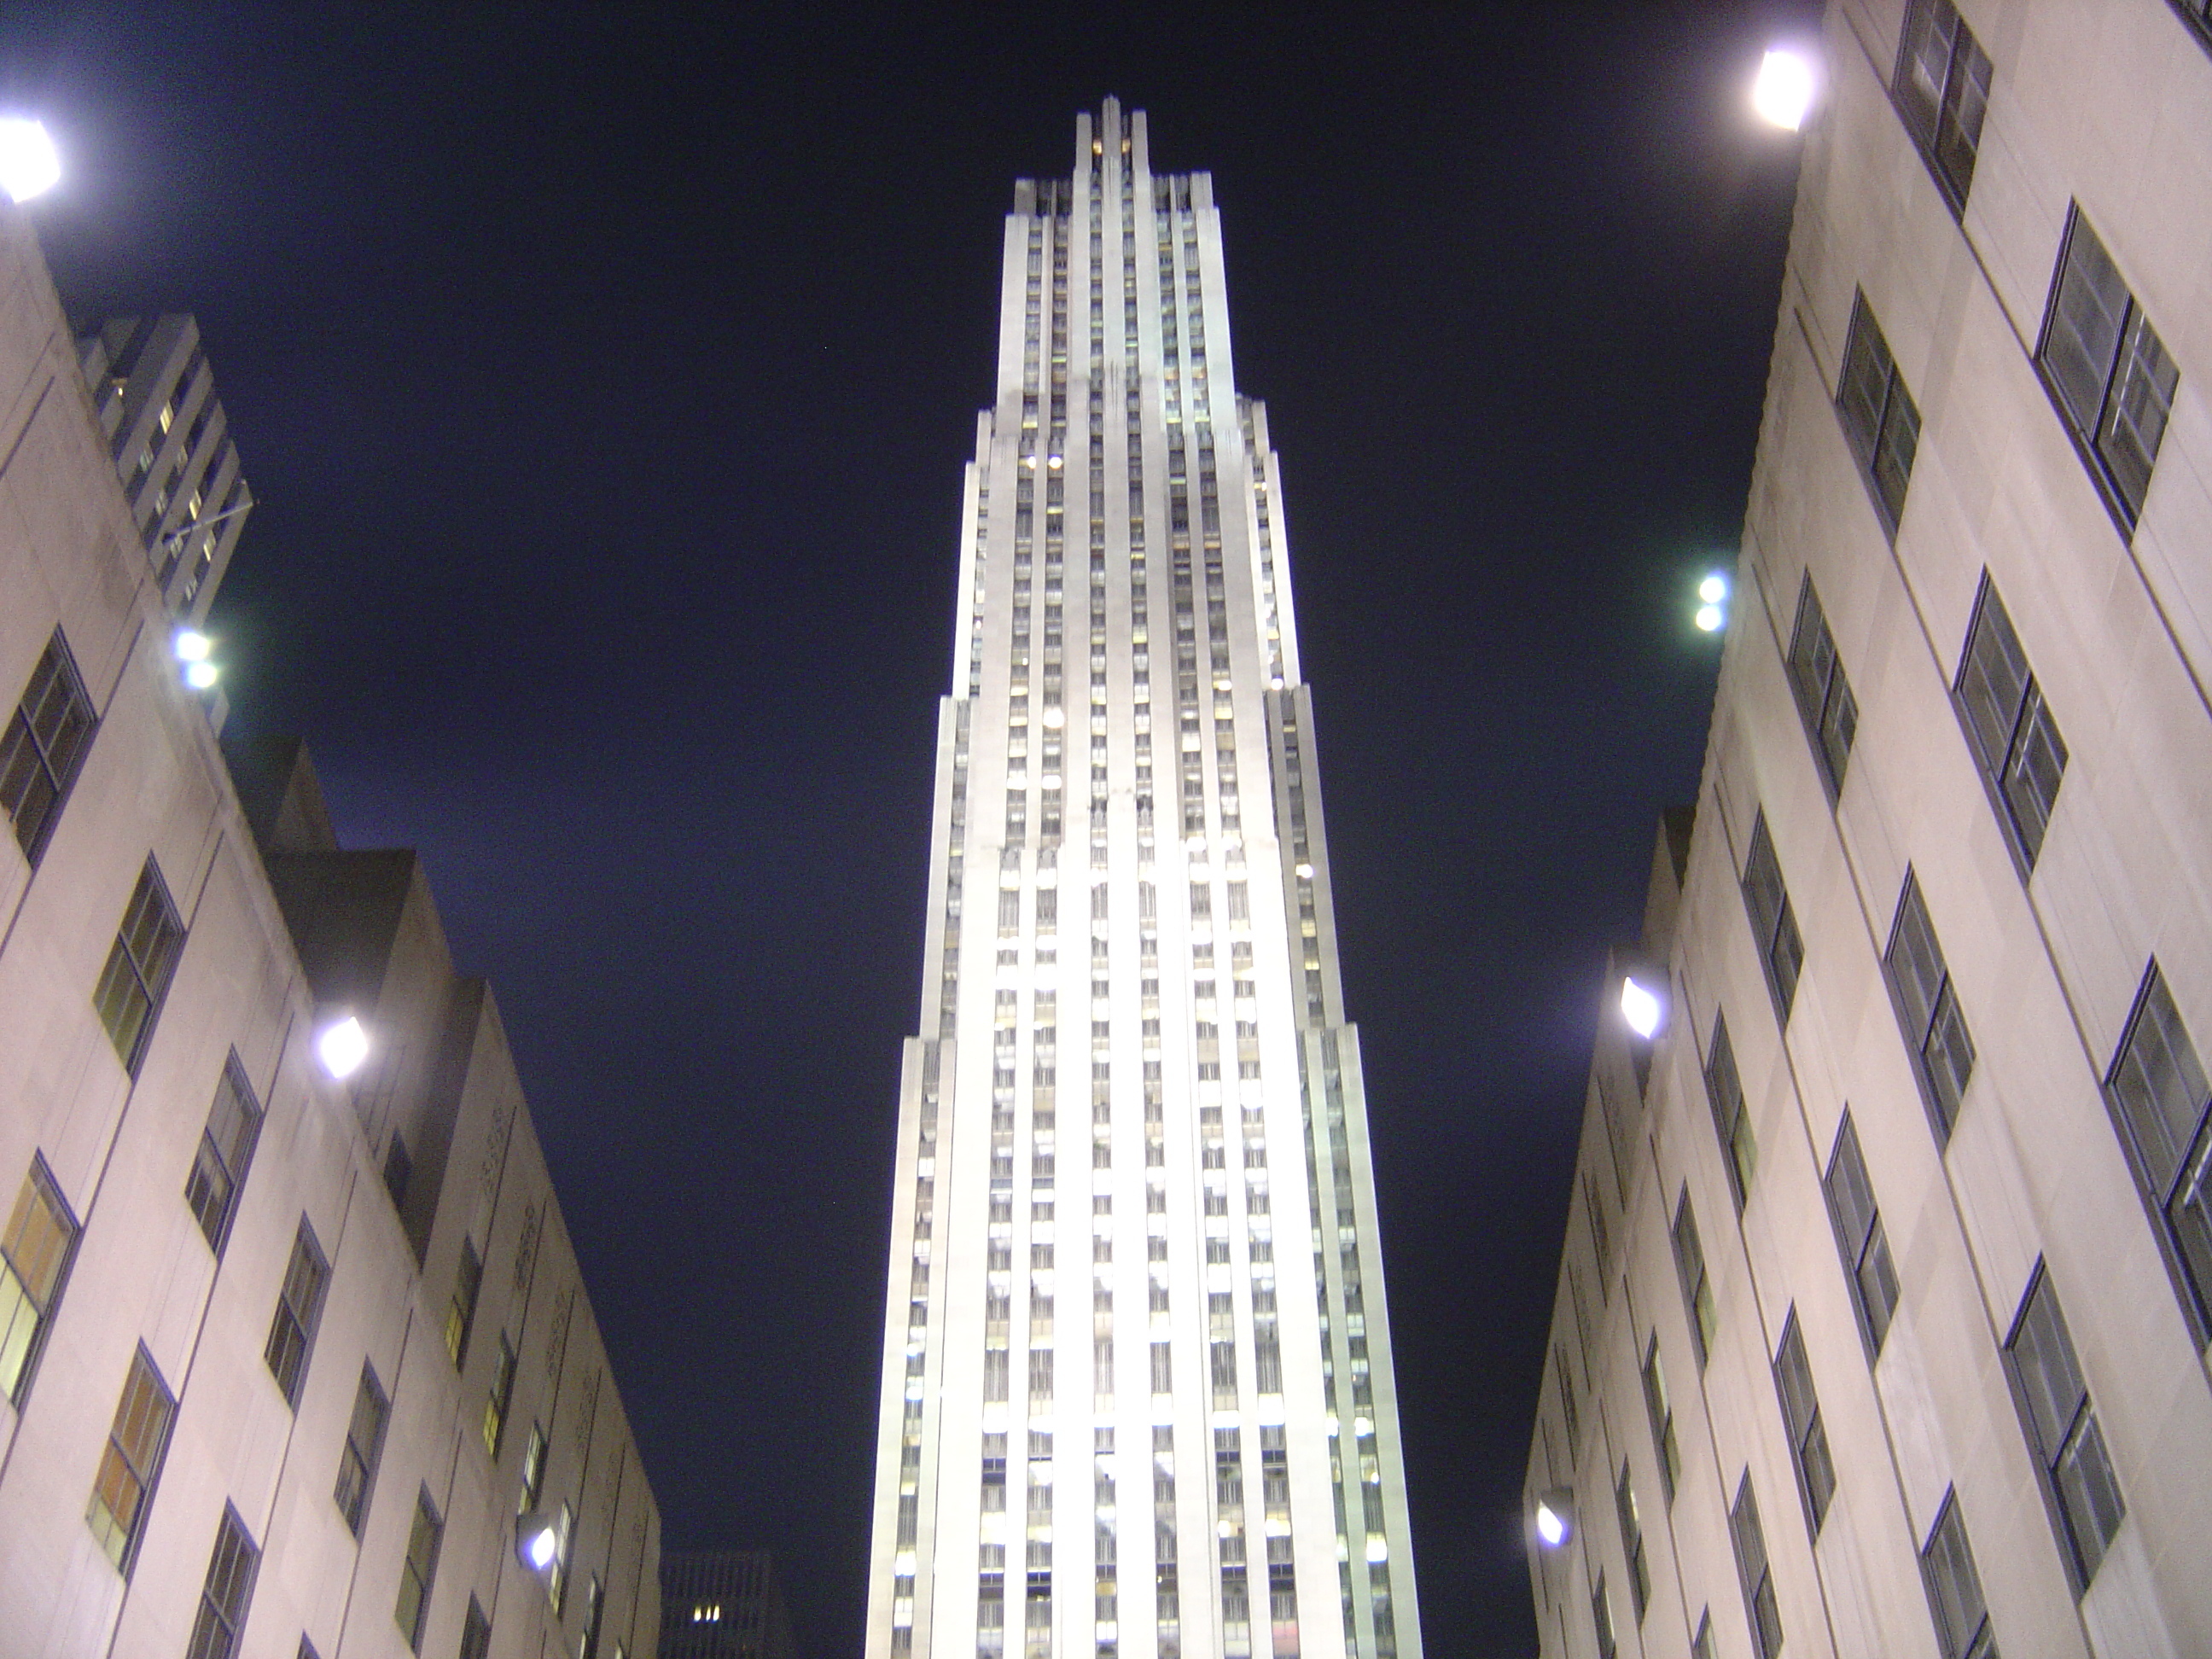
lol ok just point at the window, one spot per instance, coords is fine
(419, 1571)
(1662, 1411)
(1701, 1644)
(1954, 1588)
(1773, 924)
(2061, 1429)
(1879, 419)
(595, 1607)
(228, 1588)
(1632, 1543)
(1800, 1413)
(1696, 1288)
(461, 1311)
(2106, 369)
(43, 747)
(398, 1170)
(1859, 1236)
(1824, 695)
(1601, 1617)
(1942, 89)
(1751, 1562)
(501, 1395)
(139, 968)
(2015, 739)
(364, 1444)
(35, 1260)
(1724, 1089)
(1566, 1395)
(226, 1148)
(2159, 1095)
(557, 1578)
(476, 1633)
(533, 1469)
(1928, 1010)
(299, 1305)
(124, 1485)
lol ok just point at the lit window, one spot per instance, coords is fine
(140, 965)
(226, 1148)
(43, 746)
(1928, 1009)
(228, 1588)
(2062, 1428)
(533, 1469)
(2159, 1092)
(1601, 1618)
(364, 1444)
(124, 1485)
(1824, 694)
(1859, 1236)
(298, 1307)
(461, 1311)
(1879, 419)
(500, 1395)
(35, 1259)
(1661, 1412)
(1731, 1117)
(418, 1571)
(1632, 1543)
(1942, 90)
(2014, 739)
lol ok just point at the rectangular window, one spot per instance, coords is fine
(228, 1588)
(419, 1571)
(2159, 1096)
(1697, 1287)
(1824, 695)
(1942, 90)
(398, 1170)
(1662, 1411)
(1566, 1395)
(1935, 1030)
(2009, 726)
(35, 1260)
(1602, 1618)
(1800, 1413)
(533, 1469)
(2061, 1429)
(2106, 371)
(364, 1444)
(1773, 924)
(1724, 1090)
(1879, 419)
(226, 1148)
(1859, 1236)
(476, 1633)
(124, 1488)
(1750, 1543)
(1701, 1644)
(1954, 1587)
(1632, 1543)
(501, 1394)
(299, 1306)
(461, 1311)
(43, 746)
(139, 967)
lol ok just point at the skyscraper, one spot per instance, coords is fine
(1137, 1394)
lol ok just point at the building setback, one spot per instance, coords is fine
(1883, 1321)
(723, 1604)
(282, 1357)
(1137, 1395)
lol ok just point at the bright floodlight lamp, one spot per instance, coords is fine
(1641, 1007)
(192, 645)
(342, 1047)
(29, 165)
(1783, 93)
(202, 676)
(1710, 617)
(1554, 1518)
(1713, 589)
(537, 1541)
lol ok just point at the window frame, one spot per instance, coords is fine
(1948, 1535)
(351, 1454)
(1930, 144)
(299, 1350)
(2192, 1170)
(1810, 1458)
(170, 937)
(1659, 1409)
(1632, 1543)
(1946, 998)
(1872, 1246)
(1869, 448)
(1776, 934)
(2081, 1428)
(39, 1184)
(132, 1533)
(413, 1573)
(1739, 1139)
(232, 1077)
(57, 666)
(1747, 1538)
(2031, 728)
(461, 1310)
(1817, 704)
(1698, 1302)
(222, 1615)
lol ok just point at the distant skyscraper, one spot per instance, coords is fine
(722, 1604)
(1137, 1394)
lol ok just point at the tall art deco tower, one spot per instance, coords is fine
(1137, 1393)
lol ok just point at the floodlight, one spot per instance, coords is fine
(1641, 1008)
(1305, 872)
(1783, 93)
(29, 165)
(1710, 617)
(342, 1047)
(192, 645)
(1713, 589)
(202, 676)
(537, 1542)
(1555, 1517)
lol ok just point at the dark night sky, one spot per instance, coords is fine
(606, 382)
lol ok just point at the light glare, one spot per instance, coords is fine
(202, 676)
(342, 1047)
(29, 164)
(1710, 617)
(1783, 93)
(1713, 589)
(1549, 1527)
(539, 1551)
(1640, 1007)
(192, 645)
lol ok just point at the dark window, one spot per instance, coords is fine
(139, 968)
(1724, 1090)
(43, 746)
(2159, 1092)
(1632, 1543)
(1880, 417)
(299, 1306)
(1602, 1618)
(2014, 739)
(364, 1444)
(496, 1402)
(124, 1488)
(399, 1169)
(1928, 1009)
(35, 1260)
(1697, 1287)
(1801, 1413)
(1751, 1562)
(1773, 924)
(419, 1571)
(2062, 1428)
(2106, 370)
(1859, 1236)
(1954, 1588)
(1662, 1411)
(476, 1633)
(1566, 1393)
(1824, 695)
(225, 1150)
(461, 1311)
(1942, 90)
(229, 1587)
